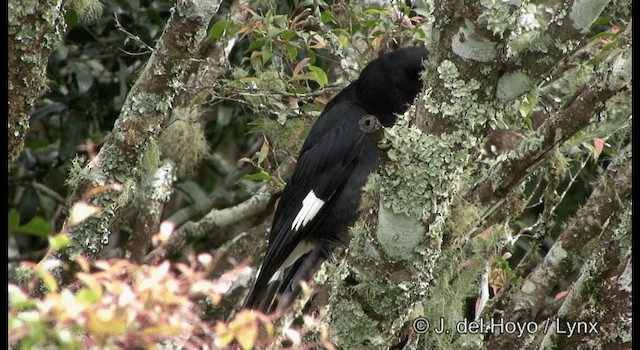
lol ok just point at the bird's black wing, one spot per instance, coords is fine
(327, 159)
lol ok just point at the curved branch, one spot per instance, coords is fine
(217, 219)
(564, 28)
(146, 107)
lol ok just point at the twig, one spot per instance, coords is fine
(131, 36)
(49, 192)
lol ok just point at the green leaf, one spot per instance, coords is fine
(529, 102)
(59, 241)
(222, 28)
(264, 152)
(319, 75)
(607, 35)
(504, 265)
(259, 176)
(327, 17)
(287, 34)
(528, 122)
(87, 296)
(71, 17)
(38, 143)
(602, 20)
(312, 56)
(266, 56)
(84, 78)
(257, 44)
(37, 226)
(292, 52)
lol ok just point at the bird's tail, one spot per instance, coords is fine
(280, 294)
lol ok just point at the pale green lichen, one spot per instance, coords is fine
(184, 143)
(22, 275)
(92, 235)
(398, 234)
(351, 320)
(87, 9)
(419, 180)
(205, 8)
(469, 45)
(464, 108)
(566, 46)
(560, 14)
(144, 102)
(529, 42)
(625, 281)
(149, 161)
(532, 31)
(449, 293)
(466, 217)
(622, 233)
(497, 16)
(557, 254)
(513, 84)
(619, 73)
(584, 12)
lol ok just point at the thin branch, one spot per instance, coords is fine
(131, 36)
(336, 48)
(217, 219)
(49, 192)
(34, 31)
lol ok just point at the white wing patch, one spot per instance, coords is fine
(310, 207)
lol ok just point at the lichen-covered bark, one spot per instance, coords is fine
(211, 222)
(433, 183)
(157, 192)
(574, 116)
(130, 151)
(611, 311)
(540, 45)
(35, 29)
(602, 276)
(611, 196)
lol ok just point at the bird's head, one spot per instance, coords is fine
(389, 84)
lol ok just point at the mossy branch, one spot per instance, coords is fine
(35, 30)
(122, 157)
(603, 262)
(578, 113)
(156, 193)
(613, 191)
(210, 223)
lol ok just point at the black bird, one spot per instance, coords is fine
(320, 201)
